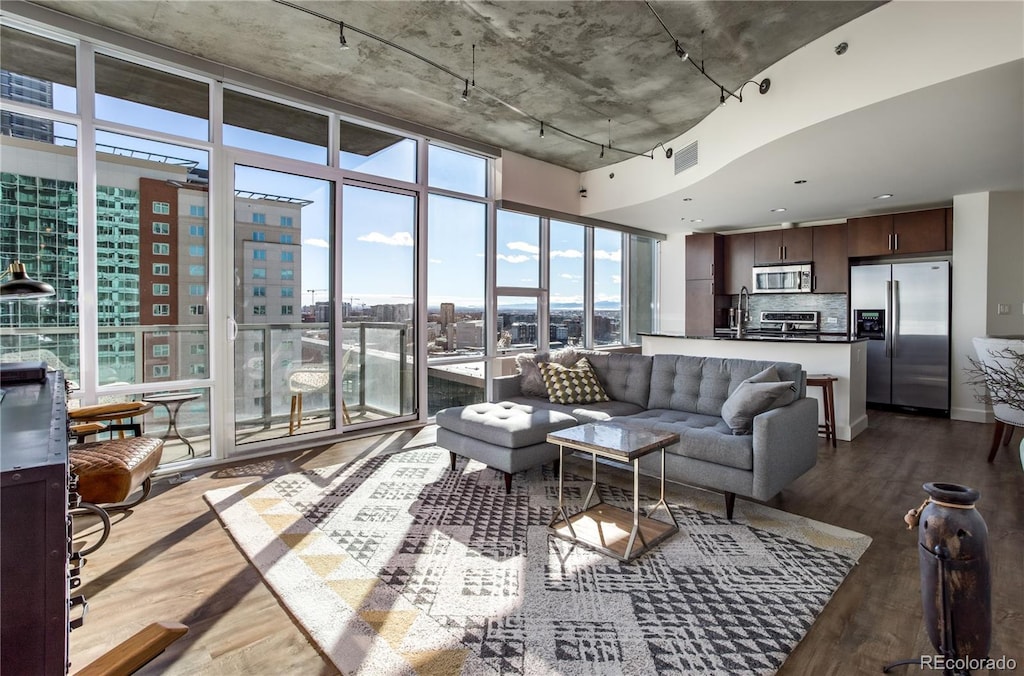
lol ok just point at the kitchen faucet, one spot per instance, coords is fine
(742, 312)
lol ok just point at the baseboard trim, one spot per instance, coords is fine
(977, 415)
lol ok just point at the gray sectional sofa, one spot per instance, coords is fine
(677, 393)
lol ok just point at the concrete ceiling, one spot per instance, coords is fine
(574, 64)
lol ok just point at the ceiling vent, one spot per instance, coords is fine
(686, 158)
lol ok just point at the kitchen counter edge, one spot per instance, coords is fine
(821, 338)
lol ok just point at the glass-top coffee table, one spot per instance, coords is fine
(605, 528)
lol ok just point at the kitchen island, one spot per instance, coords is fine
(835, 354)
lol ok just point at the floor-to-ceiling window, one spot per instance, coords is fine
(268, 255)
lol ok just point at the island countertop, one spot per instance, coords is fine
(767, 337)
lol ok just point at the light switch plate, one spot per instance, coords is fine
(1003, 308)
(831, 320)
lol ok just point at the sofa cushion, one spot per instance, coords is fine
(752, 398)
(532, 382)
(702, 437)
(577, 384)
(584, 413)
(702, 384)
(505, 423)
(624, 376)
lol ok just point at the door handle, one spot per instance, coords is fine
(784, 252)
(232, 329)
(895, 314)
(780, 253)
(896, 240)
(814, 283)
(888, 319)
(890, 242)
(712, 287)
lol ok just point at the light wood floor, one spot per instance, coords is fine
(170, 559)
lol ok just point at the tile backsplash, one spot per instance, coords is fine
(828, 304)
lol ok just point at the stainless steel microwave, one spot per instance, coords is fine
(782, 278)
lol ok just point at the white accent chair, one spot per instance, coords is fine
(1007, 417)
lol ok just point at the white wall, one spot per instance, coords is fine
(988, 250)
(672, 289)
(529, 181)
(897, 48)
(1006, 263)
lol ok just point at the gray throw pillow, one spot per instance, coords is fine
(770, 375)
(749, 400)
(532, 382)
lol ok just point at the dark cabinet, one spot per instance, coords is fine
(913, 232)
(34, 528)
(704, 274)
(831, 264)
(739, 259)
(786, 245)
(704, 256)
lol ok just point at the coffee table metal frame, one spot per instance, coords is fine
(562, 525)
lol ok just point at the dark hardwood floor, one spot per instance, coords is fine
(170, 559)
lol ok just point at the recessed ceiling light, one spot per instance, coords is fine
(884, 196)
(687, 199)
(779, 209)
(800, 181)
(696, 220)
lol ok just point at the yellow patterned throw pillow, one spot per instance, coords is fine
(576, 384)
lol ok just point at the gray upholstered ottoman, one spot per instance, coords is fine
(505, 436)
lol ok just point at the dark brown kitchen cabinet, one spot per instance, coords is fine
(949, 228)
(786, 245)
(704, 257)
(913, 232)
(831, 264)
(704, 275)
(700, 308)
(739, 259)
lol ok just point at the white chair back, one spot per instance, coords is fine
(988, 349)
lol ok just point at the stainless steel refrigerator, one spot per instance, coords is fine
(903, 311)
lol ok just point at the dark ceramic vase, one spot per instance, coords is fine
(955, 583)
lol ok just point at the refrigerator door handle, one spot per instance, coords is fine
(895, 315)
(888, 319)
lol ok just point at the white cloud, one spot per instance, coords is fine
(568, 253)
(616, 279)
(435, 260)
(397, 239)
(524, 246)
(514, 259)
(607, 255)
(319, 243)
(566, 275)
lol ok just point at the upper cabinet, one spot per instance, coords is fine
(739, 259)
(704, 257)
(786, 245)
(907, 233)
(831, 264)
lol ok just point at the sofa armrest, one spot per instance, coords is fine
(507, 387)
(785, 446)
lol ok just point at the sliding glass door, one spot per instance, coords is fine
(285, 380)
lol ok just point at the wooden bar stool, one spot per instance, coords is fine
(828, 400)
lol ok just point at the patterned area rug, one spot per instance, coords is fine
(397, 565)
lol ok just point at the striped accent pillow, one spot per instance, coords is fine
(576, 384)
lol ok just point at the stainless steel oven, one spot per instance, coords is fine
(782, 278)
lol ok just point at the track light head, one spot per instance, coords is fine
(602, 151)
(764, 86)
(342, 42)
(680, 52)
(465, 91)
(721, 99)
(668, 153)
(542, 130)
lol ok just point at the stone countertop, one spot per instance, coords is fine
(831, 338)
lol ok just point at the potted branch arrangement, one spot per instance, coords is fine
(999, 381)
